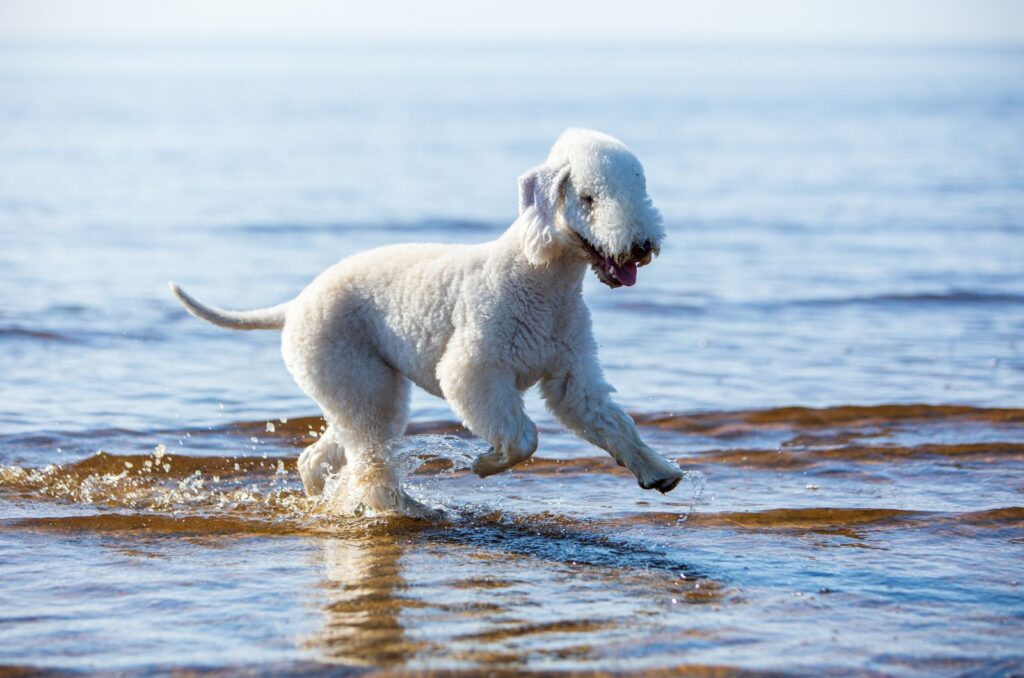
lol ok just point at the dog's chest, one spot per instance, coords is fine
(528, 332)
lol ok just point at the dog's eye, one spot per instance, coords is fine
(587, 199)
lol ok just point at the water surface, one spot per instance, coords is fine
(831, 343)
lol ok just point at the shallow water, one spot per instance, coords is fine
(831, 344)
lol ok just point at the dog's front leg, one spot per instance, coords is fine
(577, 394)
(490, 405)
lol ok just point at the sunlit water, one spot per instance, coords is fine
(831, 345)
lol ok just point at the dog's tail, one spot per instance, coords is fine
(258, 319)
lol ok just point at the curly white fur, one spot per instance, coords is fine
(476, 325)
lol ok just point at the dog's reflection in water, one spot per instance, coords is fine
(364, 603)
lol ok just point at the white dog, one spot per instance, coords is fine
(476, 325)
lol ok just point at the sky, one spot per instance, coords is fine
(739, 21)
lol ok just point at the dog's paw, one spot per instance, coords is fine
(414, 509)
(313, 472)
(489, 463)
(658, 473)
(508, 454)
(663, 484)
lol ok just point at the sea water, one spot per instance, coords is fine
(831, 343)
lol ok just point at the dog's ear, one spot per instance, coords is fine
(539, 192)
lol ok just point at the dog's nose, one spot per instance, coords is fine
(641, 252)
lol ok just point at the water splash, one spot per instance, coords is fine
(698, 481)
(163, 483)
(386, 487)
(414, 482)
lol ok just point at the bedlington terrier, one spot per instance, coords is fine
(476, 325)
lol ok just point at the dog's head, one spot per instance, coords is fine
(590, 198)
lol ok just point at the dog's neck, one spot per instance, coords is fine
(563, 267)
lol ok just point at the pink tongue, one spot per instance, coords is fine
(624, 274)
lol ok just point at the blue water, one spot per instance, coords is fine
(846, 227)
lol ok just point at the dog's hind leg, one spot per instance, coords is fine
(367, 405)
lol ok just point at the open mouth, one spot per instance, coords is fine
(617, 271)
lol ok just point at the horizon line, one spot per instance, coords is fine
(504, 42)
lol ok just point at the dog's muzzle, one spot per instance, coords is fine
(619, 271)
